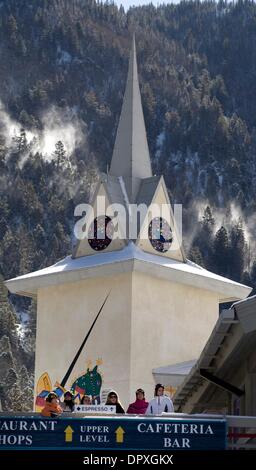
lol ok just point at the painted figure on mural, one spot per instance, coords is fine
(89, 383)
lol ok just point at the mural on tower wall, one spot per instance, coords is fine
(88, 383)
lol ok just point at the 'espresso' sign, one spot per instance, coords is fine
(94, 409)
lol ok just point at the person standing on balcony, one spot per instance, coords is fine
(160, 403)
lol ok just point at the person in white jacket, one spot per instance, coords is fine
(160, 403)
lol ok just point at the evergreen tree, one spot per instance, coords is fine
(13, 398)
(221, 252)
(20, 141)
(6, 360)
(60, 154)
(253, 277)
(237, 251)
(11, 379)
(8, 318)
(253, 272)
(195, 255)
(204, 237)
(23, 378)
(27, 399)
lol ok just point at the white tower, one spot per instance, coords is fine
(161, 307)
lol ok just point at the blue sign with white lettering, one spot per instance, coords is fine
(112, 433)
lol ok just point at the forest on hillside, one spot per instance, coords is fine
(63, 72)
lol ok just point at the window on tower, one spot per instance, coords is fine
(160, 234)
(101, 233)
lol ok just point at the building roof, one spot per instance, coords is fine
(147, 190)
(131, 158)
(173, 374)
(130, 258)
(234, 332)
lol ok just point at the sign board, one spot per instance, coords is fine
(94, 409)
(125, 433)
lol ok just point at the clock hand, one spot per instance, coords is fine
(72, 365)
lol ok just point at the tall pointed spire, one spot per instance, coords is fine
(131, 158)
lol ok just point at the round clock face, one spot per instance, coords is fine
(100, 233)
(160, 234)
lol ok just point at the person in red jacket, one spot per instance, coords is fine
(52, 407)
(139, 406)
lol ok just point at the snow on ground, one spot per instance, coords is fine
(63, 57)
(21, 327)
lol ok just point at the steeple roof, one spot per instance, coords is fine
(131, 158)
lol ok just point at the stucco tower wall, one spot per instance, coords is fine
(65, 314)
(170, 323)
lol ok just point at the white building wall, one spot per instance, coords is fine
(65, 314)
(146, 323)
(170, 323)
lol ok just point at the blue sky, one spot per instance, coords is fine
(127, 3)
